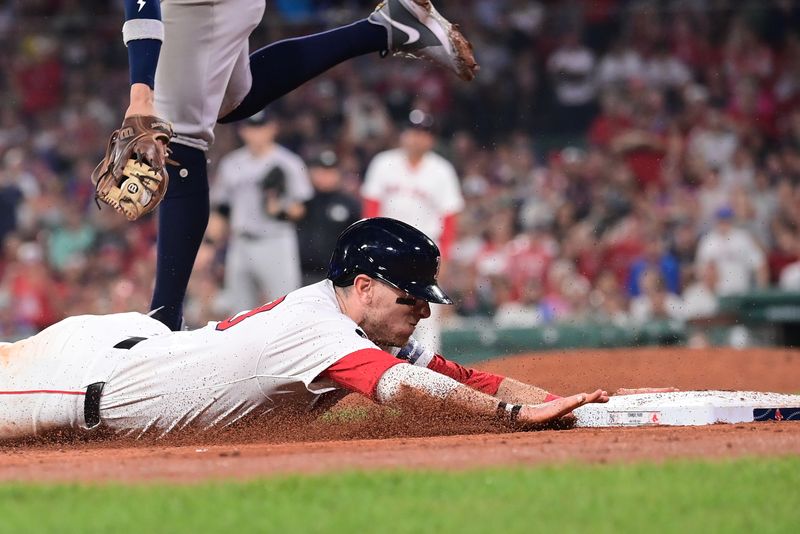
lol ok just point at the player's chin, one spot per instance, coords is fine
(401, 338)
(391, 338)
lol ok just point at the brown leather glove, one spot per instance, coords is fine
(132, 177)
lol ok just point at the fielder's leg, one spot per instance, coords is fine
(205, 41)
(412, 28)
(182, 220)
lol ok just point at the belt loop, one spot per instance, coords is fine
(91, 404)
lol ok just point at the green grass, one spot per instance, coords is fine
(756, 495)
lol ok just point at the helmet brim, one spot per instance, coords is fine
(433, 293)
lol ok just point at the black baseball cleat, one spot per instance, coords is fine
(417, 30)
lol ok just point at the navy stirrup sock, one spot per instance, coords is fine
(285, 65)
(182, 221)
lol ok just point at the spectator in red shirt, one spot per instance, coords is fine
(39, 75)
(32, 289)
(644, 144)
(614, 118)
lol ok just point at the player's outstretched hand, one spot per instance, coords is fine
(638, 391)
(533, 415)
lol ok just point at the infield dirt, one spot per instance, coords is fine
(381, 439)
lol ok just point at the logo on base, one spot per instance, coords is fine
(776, 414)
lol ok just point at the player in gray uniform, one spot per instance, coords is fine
(130, 374)
(261, 188)
(203, 73)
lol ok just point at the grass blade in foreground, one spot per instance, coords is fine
(730, 496)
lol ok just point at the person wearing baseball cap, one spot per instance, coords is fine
(258, 194)
(131, 375)
(418, 136)
(327, 214)
(739, 260)
(416, 185)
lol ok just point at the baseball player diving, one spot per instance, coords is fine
(129, 374)
(190, 67)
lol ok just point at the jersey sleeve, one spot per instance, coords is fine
(415, 353)
(310, 340)
(360, 371)
(479, 380)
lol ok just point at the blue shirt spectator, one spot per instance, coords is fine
(655, 257)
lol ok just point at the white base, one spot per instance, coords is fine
(689, 408)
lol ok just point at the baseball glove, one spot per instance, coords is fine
(132, 177)
(274, 181)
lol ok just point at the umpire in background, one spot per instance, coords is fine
(327, 214)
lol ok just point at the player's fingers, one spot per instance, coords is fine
(599, 395)
(542, 413)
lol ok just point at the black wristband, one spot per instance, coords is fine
(515, 412)
(508, 413)
(502, 414)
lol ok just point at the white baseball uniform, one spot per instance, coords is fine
(159, 381)
(421, 196)
(207, 377)
(737, 256)
(263, 258)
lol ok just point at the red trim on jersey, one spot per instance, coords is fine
(448, 235)
(236, 319)
(551, 397)
(371, 208)
(52, 391)
(480, 380)
(360, 371)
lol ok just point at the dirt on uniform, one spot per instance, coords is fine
(410, 438)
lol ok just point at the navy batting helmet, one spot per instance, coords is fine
(391, 251)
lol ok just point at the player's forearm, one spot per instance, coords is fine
(406, 378)
(142, 101)
(142, 33)
(517, 392)
(462, 398)
(519, 414)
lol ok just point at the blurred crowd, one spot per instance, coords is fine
(620, 161)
